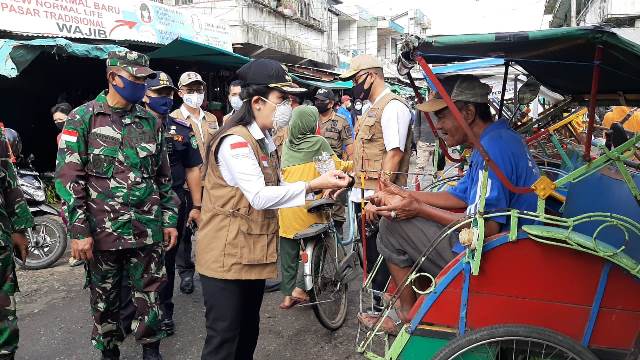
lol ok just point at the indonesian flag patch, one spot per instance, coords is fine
(239, 145)
(265, 160)
(69, 135)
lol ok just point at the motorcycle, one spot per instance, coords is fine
(48, 238)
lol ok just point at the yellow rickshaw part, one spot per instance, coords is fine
(545, 187)
(567, 120)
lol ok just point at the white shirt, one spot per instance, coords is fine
(395, 122)
(240, 168)
(186, 114)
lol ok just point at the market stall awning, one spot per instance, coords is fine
(16, 55)
(561, 59)
(334, 85)
(189, 50)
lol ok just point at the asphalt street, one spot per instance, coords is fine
(55, 323)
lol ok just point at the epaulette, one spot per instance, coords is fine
(184, 123)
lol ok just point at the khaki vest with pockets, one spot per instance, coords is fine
(370, 150)
(236, 241)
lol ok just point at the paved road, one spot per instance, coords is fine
(53, 312)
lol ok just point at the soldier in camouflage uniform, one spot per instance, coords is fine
(15, 219)
(113, 173)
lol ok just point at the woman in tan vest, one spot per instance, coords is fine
(236, 248)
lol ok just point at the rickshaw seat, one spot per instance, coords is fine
(582, 240)
(601, 193)
(312, 231)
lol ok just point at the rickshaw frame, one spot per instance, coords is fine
(469, 263)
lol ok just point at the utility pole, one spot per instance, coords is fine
(573, 12)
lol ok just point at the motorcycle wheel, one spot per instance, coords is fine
(48, 244)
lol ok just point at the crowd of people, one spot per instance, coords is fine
(138, 181)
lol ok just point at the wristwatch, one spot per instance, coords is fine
(197, 207)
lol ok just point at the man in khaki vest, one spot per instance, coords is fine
(192, 90)
(382, 143)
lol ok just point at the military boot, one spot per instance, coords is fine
(151, 351)
(111, 354)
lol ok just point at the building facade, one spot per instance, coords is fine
(621, 15)
(300, 32)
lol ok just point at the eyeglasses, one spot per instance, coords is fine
(357, 78)
(286, 101)
(193, 91)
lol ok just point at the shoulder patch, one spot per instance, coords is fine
(341, 116)
(69, 135)
(182, 122)
(194, 142)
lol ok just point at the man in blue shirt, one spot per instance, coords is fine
(344, 111)
(414, 220)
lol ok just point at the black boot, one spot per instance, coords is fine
(168, 326)
(7, 356)
(186, 285)
(111, 354)
(151, 351)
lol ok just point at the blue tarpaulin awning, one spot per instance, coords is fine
(16, 55)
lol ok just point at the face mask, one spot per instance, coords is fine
(132, 92)
(236, 102)
(359, 91)
(322, 106)
(60, 125)
(160, 104)
(282, 115)
(366, 106)
(193, 100)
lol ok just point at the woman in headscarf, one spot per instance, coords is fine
(297, 164)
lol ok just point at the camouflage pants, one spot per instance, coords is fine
(424, 152)
(8, 318)
(145, 266)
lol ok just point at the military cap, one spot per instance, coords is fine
(132, 62)
(161, 80)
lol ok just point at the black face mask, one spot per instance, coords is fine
(322, 106)
(60, 125)
(359, 91)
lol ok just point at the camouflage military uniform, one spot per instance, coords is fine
(113, 172)
(14, 217)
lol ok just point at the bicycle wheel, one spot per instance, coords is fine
(328, 295)
(514, 342)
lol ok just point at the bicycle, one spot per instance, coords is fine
(329, 263)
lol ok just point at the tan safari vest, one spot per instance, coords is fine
(235, 240)
(370, 150)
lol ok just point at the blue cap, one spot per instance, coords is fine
(161, 80)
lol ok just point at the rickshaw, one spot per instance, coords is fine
(566, 287)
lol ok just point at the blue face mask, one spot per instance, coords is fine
(160, 104)
(132, 92)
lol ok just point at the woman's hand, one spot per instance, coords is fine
(334, 179)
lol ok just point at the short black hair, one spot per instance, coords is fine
(483, 111)
(64, 108)
(236, 83)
